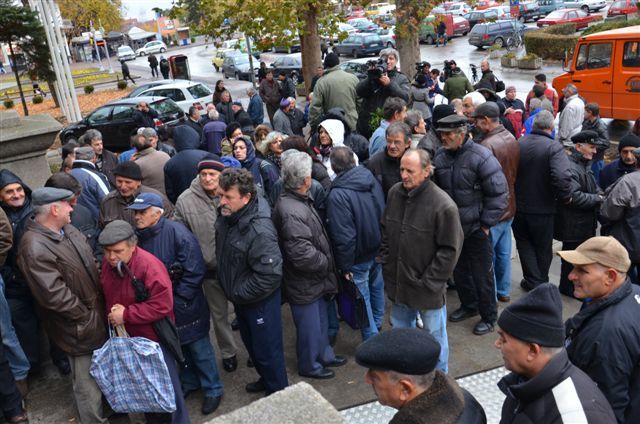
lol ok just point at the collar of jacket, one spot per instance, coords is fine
(546, 134)
(391, 158)
(305, 198)
(527, 390)
(441, 401)
(574, 323)
(147, 151)
(416, 191)
(35, 226)
(126, 202)
(243, 217)
(577, 157)
(333, 68)
(198, 190)
(151, 232)
(17, 214)
(79, 163)
(465, 146)
(624, 168)
(497, 130)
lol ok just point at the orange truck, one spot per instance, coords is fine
(606, 69)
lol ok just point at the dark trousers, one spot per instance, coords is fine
(128, 76)
(271, 110)
(566, 286)
(181, 414)
(261, 331)
(474, 276)
(154, 71)
(312, 338)
(10, 399)
(534, 239)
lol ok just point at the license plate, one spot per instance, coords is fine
(373, 45)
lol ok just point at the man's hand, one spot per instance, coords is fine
(509, 110)
(348, 276)
(486, 230)
(385, 80)
(116, 317)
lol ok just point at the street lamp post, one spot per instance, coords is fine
(106, 48)
(95, 45)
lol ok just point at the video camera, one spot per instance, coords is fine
(377, 68)
(421, 65)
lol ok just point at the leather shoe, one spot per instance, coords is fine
(255, 387)
(505, 299)
(210, 404)
(482, 328)
(337, 362)
(63, 366)
(323, 374)
(230, 364)
(526, 286)
(461, 314)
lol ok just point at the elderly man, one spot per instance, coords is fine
(256, 107)
(393, 110)
(197, 209)
(472, 176)
(95, 185)
(488, 78)
(625, 164)
(251, 275)
(602, 339)
(469, 104)
(571, 117)
(354, 208)
(296, 118)
(193, 121)
(309, 269)
(377, 87)
(128, 186)
(401, 369)
(416, 280)
(179, 251)
(123, 259)
(151, 162)
(106, 160)
(505, 148)
(542, 379)
(61, 272)
(385, 165)
(543, 175)
(281, 121)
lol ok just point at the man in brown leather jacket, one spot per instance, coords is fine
(59, 267)
(505, 148)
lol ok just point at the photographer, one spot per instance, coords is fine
(383, 81)
(144, 115)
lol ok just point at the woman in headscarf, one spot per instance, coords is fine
(330, 135)
(265, 174)
(271, 148)
(259, 135)
(217, 92)
(224, 108)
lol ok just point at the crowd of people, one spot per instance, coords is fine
(373, 184)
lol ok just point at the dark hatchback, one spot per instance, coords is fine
(291, 64)
(487, 34)
(361, 44)
(115, 121)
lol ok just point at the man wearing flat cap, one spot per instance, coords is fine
(197, 209)
(401, 369)
(576, 220)
(471, 175)
(61, 272)
(603, 339)
(543, 386)
(128, 185)
(122, 254)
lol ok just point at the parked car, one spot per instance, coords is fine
(388, 36)
(363, 25)
(115, 121)
(291, 64)
(238, 67)
(530, 11)
(361, 44)
(488, 34)
(504, 12)
(622, 8)
(358, 67)
(379, 9)
(586, 5)
(356, 12)
(152, 47)
(126, 53)
(485, 4)
(385, 21)
(548, 6)
(221, 54)
(184, 93)
(566, 16)
(481, 16)
(144, 87)
(461, 26)
(459, 9)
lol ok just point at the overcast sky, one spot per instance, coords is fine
(141, 9)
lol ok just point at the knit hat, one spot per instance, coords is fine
(536, 318)
(629, 140)
(129, 170)
(335, 129)
(421, 80)
(441, 111)
(210, 164)
(284, 103)
(331, 60)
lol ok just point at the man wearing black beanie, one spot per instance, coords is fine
(625, 164)
(544, 386)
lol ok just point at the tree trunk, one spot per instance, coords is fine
(407, 40)
(15, 71)
(310, 46)
(54, 93)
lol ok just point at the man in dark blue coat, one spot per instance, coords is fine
(179, 251)
(626, 163)
(181, 169)
(354, 208)
(95, 185)
(472, 176)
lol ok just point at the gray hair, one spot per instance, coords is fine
(157, 210)
(91, 135)
(399, 128)
(342, 159)
(476, 98)
(149, 132)
(553, 351)
(85, 153)
(423, 381)
(413, 118)
(43, 209)
(390, 51)
(534, 103)
(251, 91)
(132, 240)
(571, 88)
(213, 114)
(543, 121)
(424, 156)
(296, 166)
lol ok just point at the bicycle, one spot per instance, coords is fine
(515, 40)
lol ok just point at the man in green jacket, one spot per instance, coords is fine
(457, 85)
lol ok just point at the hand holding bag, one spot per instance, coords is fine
(351, 305)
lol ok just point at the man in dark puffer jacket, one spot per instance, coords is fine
(472, 176)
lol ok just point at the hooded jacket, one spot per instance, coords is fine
(174, 245)
(353, 140)
(457, 85)
(265, 174)
(354, 208)
(181, 169)
(621, 209)
(336, 88)
(95, 186)
(6, 237)
(248, 255)
(213, 134)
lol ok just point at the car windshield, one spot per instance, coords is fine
(371, 39)
(558, 14)
(478, 29)
(199, 90)
(166, 106)
(242, 59)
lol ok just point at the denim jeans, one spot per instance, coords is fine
(201, 370)
(368, 278)
(501, 243)
(12, 349)
(435, 322)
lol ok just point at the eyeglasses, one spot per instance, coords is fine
(395, 143)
